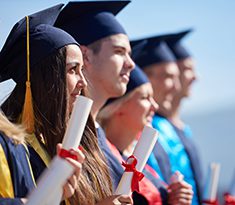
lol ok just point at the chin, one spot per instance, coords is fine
(148, 124)
(167, 105)
(120, 91)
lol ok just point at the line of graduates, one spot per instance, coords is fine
(81, 49)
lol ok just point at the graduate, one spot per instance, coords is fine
(15, 170)
(187, 76)
(124, 118)
(46, 62)
(157, 61)
(106, 53)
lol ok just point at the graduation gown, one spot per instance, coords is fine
(175, 151)
(15, 172)
(115, 168)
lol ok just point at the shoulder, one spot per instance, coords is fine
(3, 140)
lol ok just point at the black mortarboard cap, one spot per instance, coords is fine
(89, 21)
(175, 44)
(151, 50)
(44, 39)
(137, 78)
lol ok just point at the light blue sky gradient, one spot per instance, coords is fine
(210, 110)
(212, 43)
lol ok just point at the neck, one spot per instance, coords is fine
(174, 116)
(98, 98)
(120, 134)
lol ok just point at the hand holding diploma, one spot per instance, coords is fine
(52, 184)
(72, 183)
(136, 162)
(179, 191)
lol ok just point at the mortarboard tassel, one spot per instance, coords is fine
(28, 113)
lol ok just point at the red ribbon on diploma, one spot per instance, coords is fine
(229, 199)
(210, 202)
(137, 176)
(67, 153)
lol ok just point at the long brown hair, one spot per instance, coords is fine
(50, 104)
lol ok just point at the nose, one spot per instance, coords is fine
(82, 83)
(129, 63)
(154, 105)
(176, 84)
(195, 76)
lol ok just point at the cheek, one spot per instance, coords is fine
(188, 75)
(117, 62)
(143, 107)
(71, 83)
(168, 83)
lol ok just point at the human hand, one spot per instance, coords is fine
(72, 183)
(180, 193)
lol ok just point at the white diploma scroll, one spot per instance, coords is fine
(52, 178)
(49, 189)
(210, 192)
(77, 123)
(142, 151)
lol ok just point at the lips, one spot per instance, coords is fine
(76, 94)
(125, 77)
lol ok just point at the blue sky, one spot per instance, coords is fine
(212, 43)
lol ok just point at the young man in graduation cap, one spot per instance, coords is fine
(155, 58)
(107, 62)
(187, 76)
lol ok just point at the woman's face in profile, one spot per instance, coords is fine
(75, 78)
(139, 110)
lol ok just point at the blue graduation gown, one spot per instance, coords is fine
(192, 152)
(115, 168)
(20, 170)
(175, 151)
(37, 164)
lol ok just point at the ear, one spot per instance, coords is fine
(86, 53)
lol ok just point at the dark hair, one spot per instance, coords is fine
(96, 46)
(48, 84)
(50, 104)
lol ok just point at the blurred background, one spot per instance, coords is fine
(210, 111)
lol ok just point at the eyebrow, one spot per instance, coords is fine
(73, 62)
(121, 47)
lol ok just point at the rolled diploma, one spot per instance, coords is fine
(142, 151)
(72, 138)
(211, 189)
(47, 188)
(77, 123)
